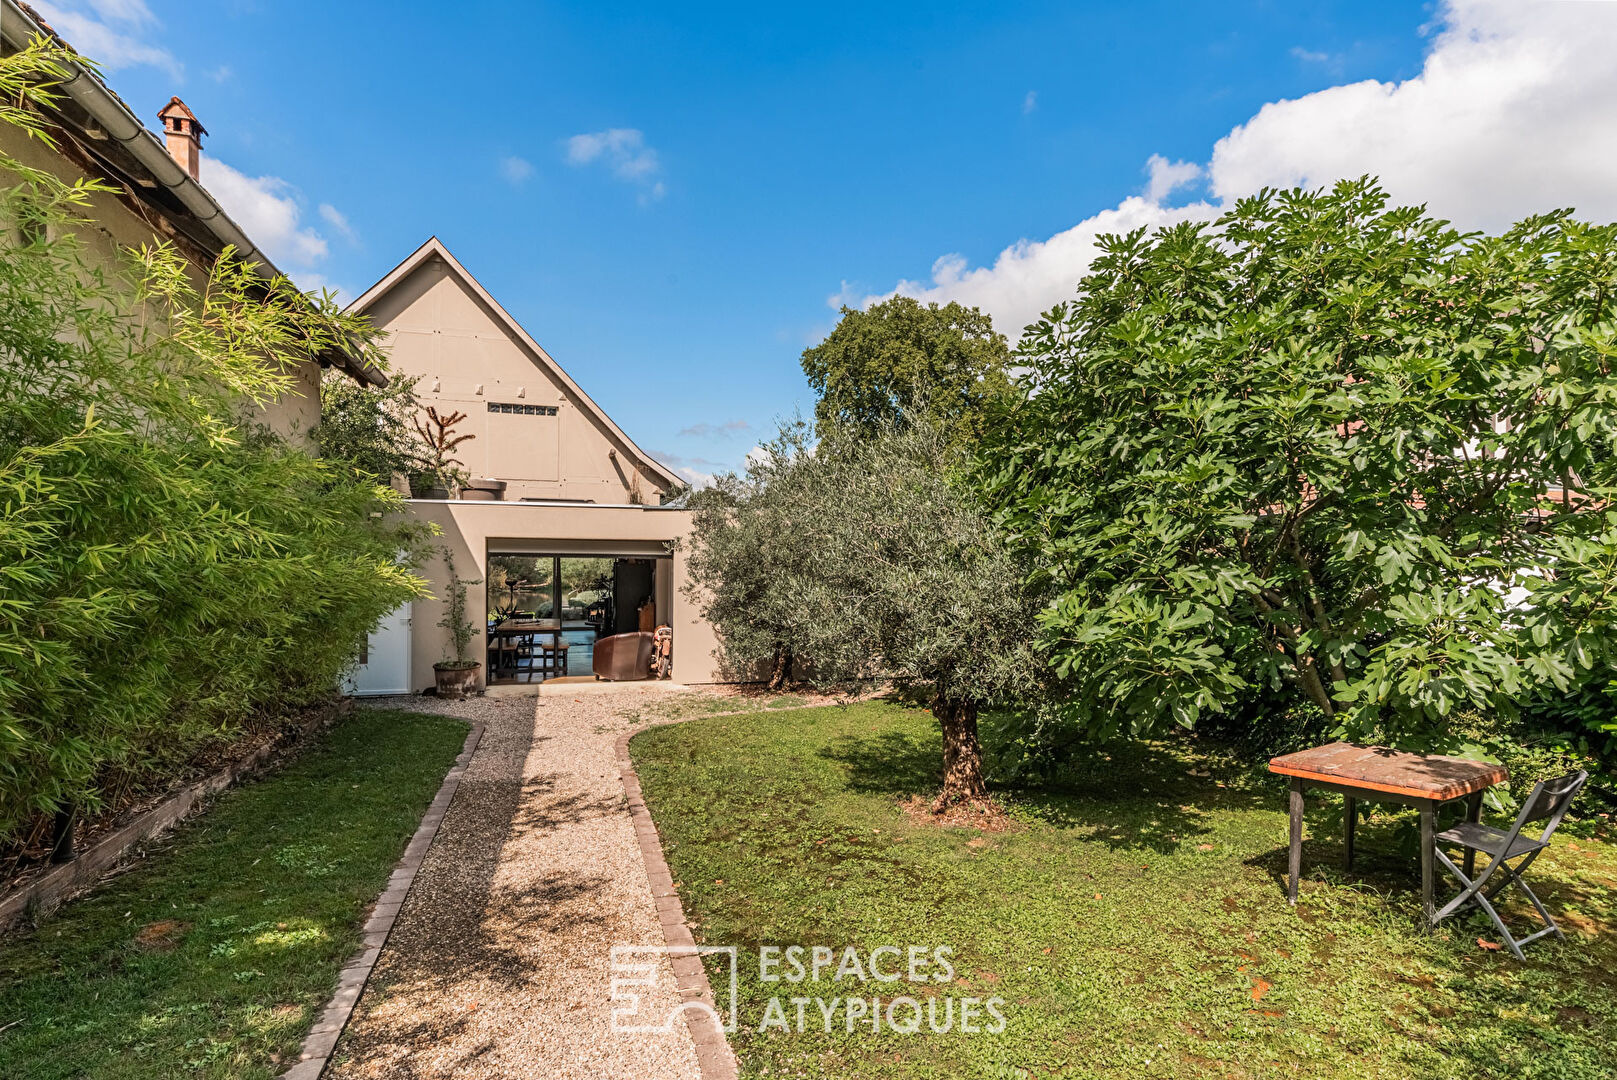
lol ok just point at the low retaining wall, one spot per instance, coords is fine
(59, 884)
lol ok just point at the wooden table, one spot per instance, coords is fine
(1379, 774)
(515, 630)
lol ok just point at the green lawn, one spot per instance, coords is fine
(1133, 921)
(212, 958)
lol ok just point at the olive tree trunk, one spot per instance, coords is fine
(962, 754)
(780, 671)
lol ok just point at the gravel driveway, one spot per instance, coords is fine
(498, 965)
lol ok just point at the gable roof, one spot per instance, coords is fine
(434, 249)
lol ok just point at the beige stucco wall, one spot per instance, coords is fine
(437, 328)
(469, 529)
(114, 228)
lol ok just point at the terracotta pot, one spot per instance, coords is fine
(455, 682)
(483, 491)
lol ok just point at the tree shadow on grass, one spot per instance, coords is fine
(1127, 796)
(1386, 850)
(1386, 858)
(1159, 795)
(888, 763)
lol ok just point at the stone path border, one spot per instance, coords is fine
(322, 1038)
(58, 885)
(713, 1054)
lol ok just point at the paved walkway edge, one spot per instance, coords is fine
(713, 1054)
(322, 1038)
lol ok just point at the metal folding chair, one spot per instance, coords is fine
(1551, 799)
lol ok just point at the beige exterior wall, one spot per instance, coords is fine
(550, 445)
(471, 529)
(114, 227)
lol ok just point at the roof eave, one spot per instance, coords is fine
(18, 25)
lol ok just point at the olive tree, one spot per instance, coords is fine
(889, 567)
(1329, 444)
(748, 555)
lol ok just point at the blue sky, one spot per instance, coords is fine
(672, 197)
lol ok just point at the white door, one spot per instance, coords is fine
(385, 667)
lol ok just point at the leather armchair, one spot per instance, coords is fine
(623, 657)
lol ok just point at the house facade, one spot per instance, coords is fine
(156, 198)
(533, 427)
(562, 482)
(555, 484)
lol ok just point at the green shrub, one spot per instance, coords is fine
(370, 428)
(1290, 447)
(167, 571)
(1579, 725)
(1268, 722)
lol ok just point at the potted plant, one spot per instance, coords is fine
(444, 474)
(487, 489)
(458, 677)
(425, 485)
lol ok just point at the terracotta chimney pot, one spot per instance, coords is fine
(183, 132)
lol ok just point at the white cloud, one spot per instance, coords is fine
(267, 210)
(694, 477)
(1510, 115)
(309, 281)
(338, 221)
(515, 170)
(130, 11)
(1030, 102)
(1309, 56)
(705, 430)
(624, 149)
(625, 153)
(1166, 176)
(1507, 117)
(1031, 275)
(111, 32)
(115, 33)
(695, 471)
(848, 295)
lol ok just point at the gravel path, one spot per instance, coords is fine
(498, 965)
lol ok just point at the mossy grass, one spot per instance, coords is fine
(214, 955)
(1133, 919)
